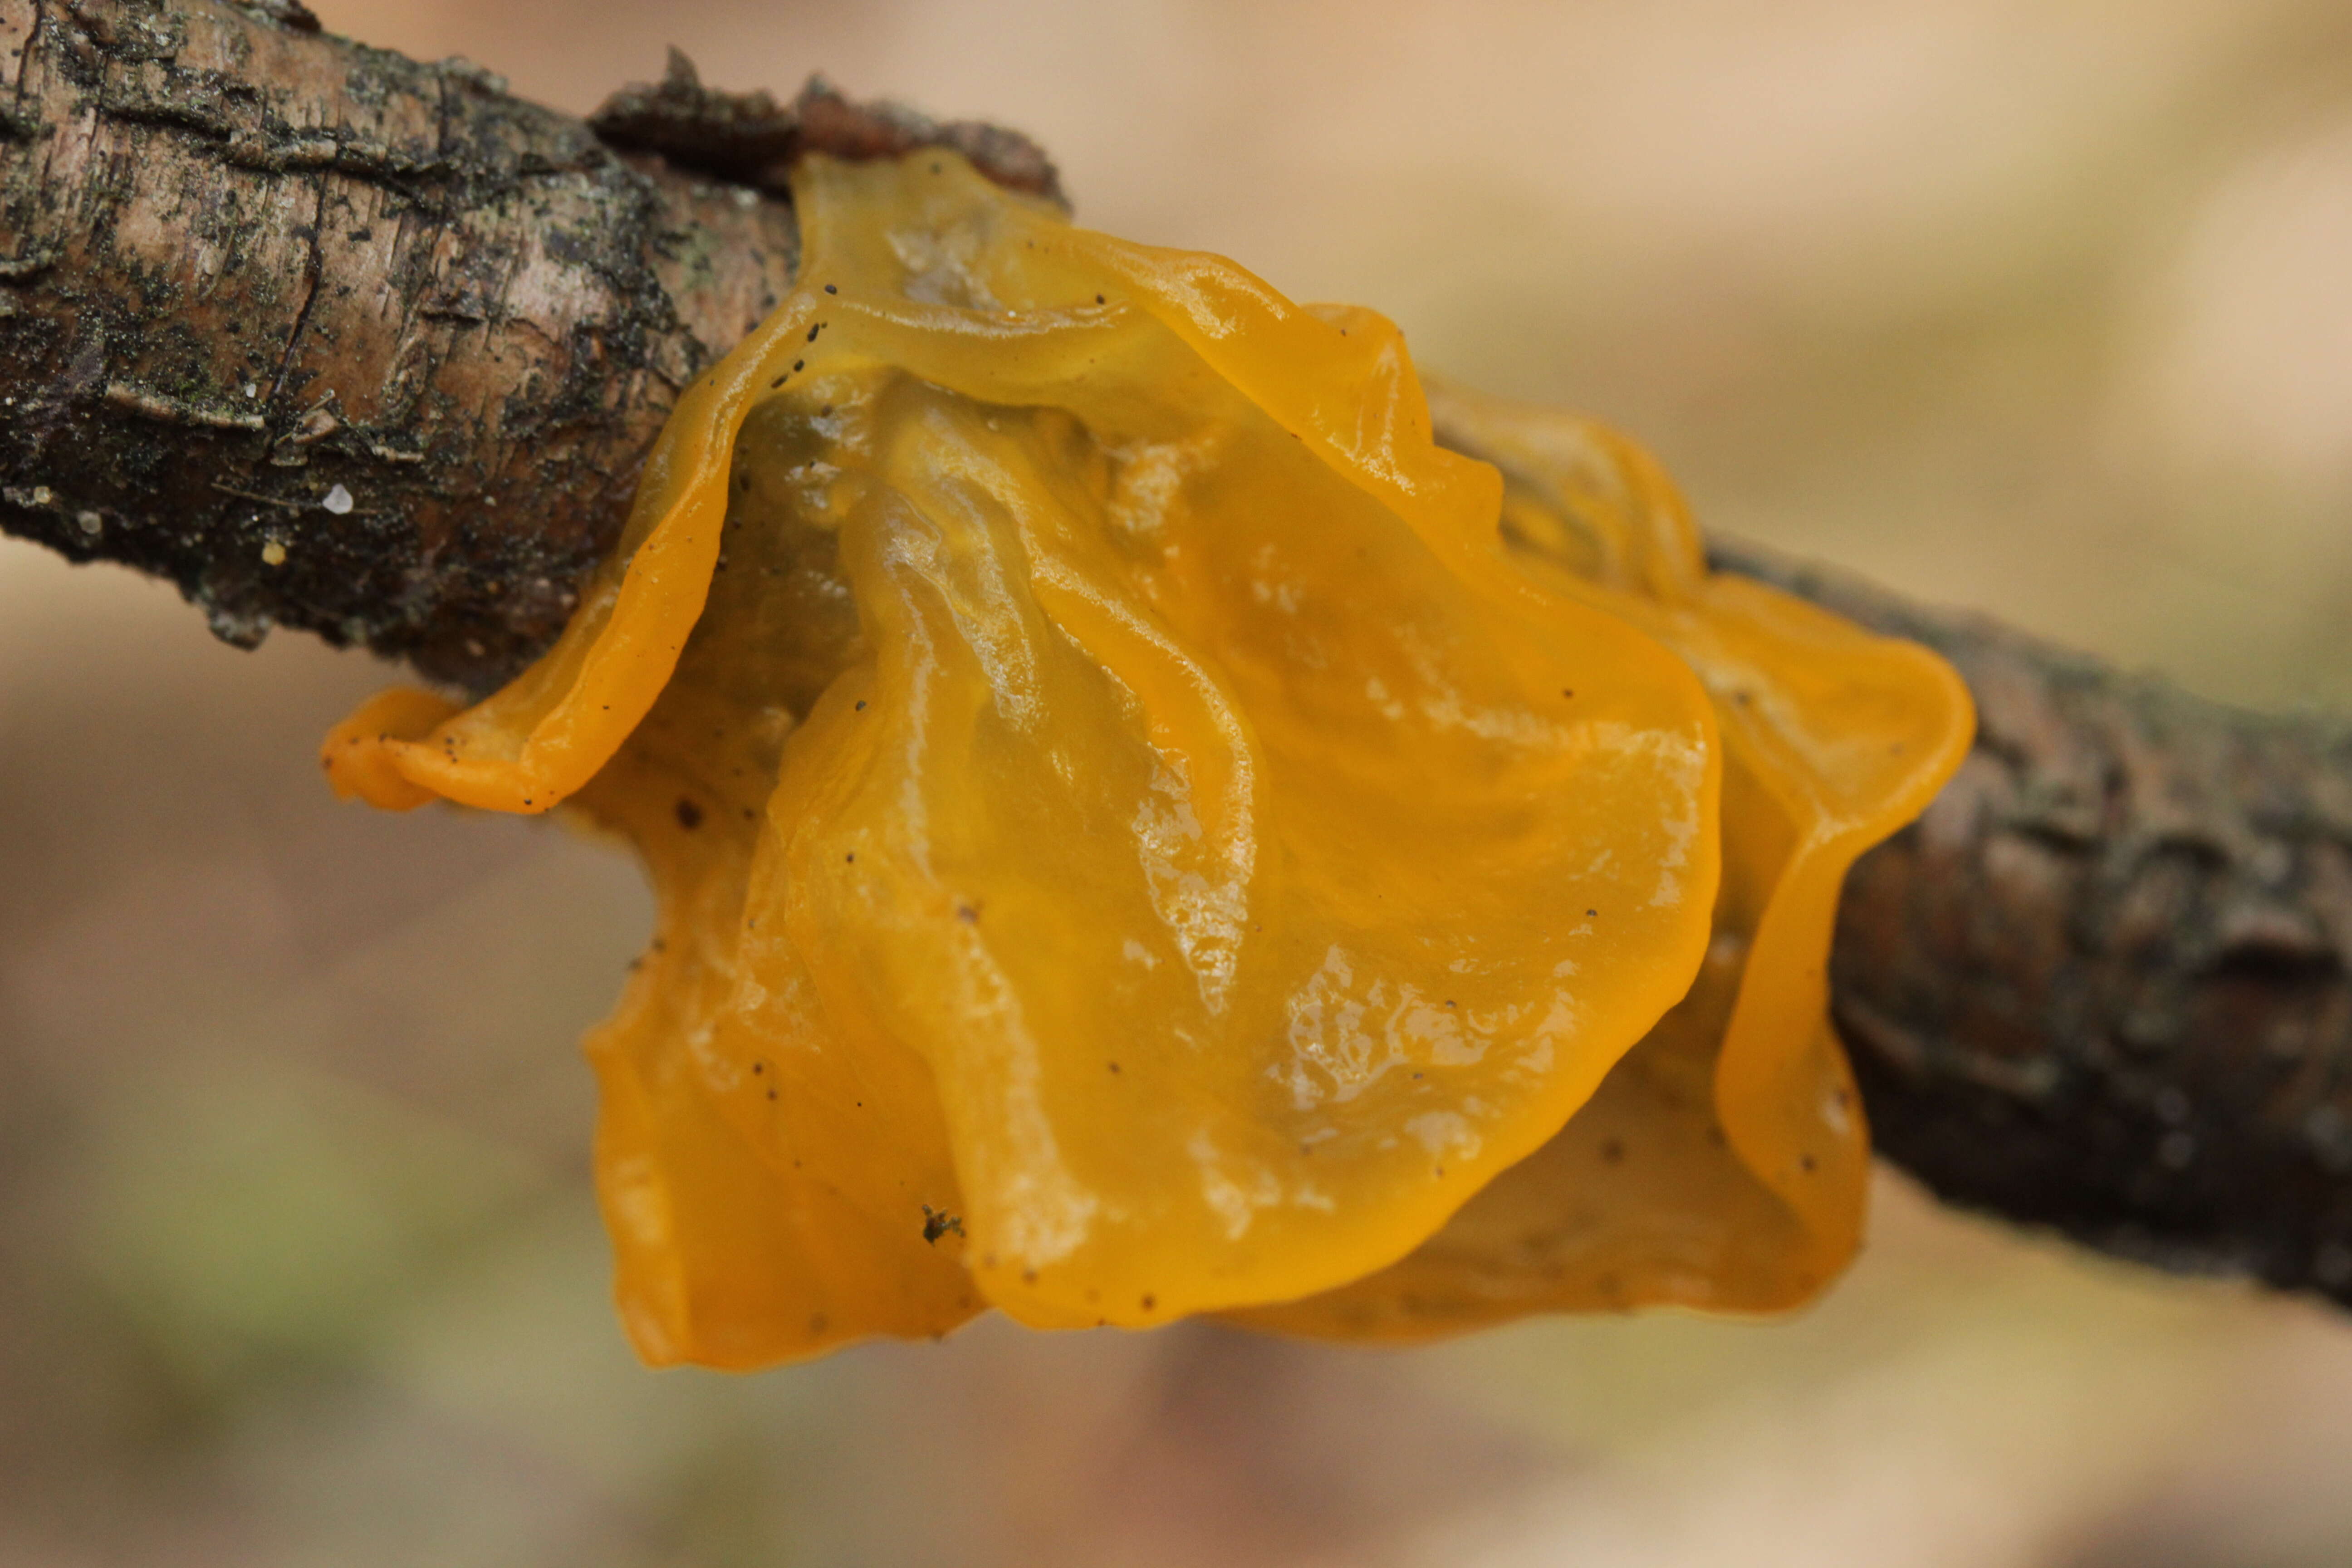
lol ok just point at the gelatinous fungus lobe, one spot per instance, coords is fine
(1133, 836)
(1724, 1163)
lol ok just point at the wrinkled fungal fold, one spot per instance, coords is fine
(1146, 822)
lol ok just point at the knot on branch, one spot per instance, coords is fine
(749, 139)
(290, 14)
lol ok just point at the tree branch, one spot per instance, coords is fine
(337, 341)
(2103, 984)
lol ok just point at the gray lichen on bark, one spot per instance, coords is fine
(339, 340)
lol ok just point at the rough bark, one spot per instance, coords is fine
(337, 341)
(2104, 984)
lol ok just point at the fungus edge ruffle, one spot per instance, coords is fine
(1107, 776)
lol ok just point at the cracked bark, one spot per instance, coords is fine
(2104, 985)
(339, 340)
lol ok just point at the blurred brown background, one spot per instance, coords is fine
(2042, 307)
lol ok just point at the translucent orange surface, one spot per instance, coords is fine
(1133, 837)
(1724, 1163)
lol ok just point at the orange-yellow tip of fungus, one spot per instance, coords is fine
(1141, 828)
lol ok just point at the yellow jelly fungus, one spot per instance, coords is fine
(1133, 837)
(1724, 1163)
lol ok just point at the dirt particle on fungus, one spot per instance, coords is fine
(758, 1067)
(814, 330)
(1149, 1301)
(800, 365)
(967, 914)
(1613, 1151)
(1808, 1163)
(1593, 914)
(1028, 1277)
(938, 1223)
(850, 858)
(861, 706)
(690, 816)
(1098, 300)
(1113, 1067)
(830, 289)
(1568, 691)
(817, 1322)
